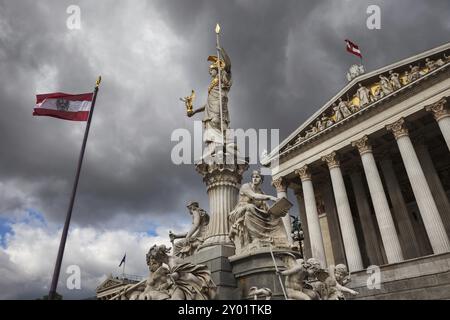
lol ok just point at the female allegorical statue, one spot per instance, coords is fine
(212, 124)
(252, 224)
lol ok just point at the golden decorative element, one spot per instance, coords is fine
(332, 160)
(398, 128)
(280, 185)
(356, 101)
(216, 63)
(439, 109)
(99, 80)
(189, 102)
(375, 89)
(363, 145)
(303, 173)
(214, 83)
(217, 29)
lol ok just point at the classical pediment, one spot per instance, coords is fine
(108, 284)
(365, 92)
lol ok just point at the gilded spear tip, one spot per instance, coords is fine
(217, 28)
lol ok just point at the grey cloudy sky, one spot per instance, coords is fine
(288, 59)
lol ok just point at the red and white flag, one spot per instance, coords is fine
(74, 107)
(353, 48)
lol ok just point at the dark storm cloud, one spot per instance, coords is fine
(288, 58)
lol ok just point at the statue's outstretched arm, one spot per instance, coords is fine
(259, 196)
(292, 271)
(345, 289)
(201, 109)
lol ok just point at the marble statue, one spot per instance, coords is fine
(252, 224)
(315, 287)
(336, 281)
(343, 107)
(337, 113)
(307, 280)
(320, 125)
(256, 293)
(195, 236)
(385, 85)
(170, 279)
(430, 64)
(327, 120)
(295, 274)
(394, 80)
(312, 131)
(363, 95)
(213, 136)
(414, 73)
(355, 71)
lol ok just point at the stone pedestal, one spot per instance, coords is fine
(258, 270)
(222, 182)
(216, 259)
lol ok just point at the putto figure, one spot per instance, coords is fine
(195, 236)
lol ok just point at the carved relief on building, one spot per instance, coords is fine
(363, 95)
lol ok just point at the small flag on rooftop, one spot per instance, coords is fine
(123, 260)
(353, 48)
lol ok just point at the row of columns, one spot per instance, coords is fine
(434, 225)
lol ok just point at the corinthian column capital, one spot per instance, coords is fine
(332, 160)
(304, 173)
(363, 145)
(398, 128)
(280, 185)
(439, 109)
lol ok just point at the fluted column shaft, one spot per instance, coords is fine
(222, 183)
(439, 194)
(333, 224)
(405, 226)
(373, 248)
(388, 233)
(312, 216)
(351, 246)
(441, 113)
(222, 199)
(424, 198)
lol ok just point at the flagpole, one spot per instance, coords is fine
(62, 244)
(123, 270)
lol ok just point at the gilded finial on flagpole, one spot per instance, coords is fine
(217, 28)
(99, 80)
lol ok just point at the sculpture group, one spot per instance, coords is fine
(255, 222)
(366, 95)
(170, 279)
(306, 280)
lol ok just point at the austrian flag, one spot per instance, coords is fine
(353, 48)
(74, 107)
